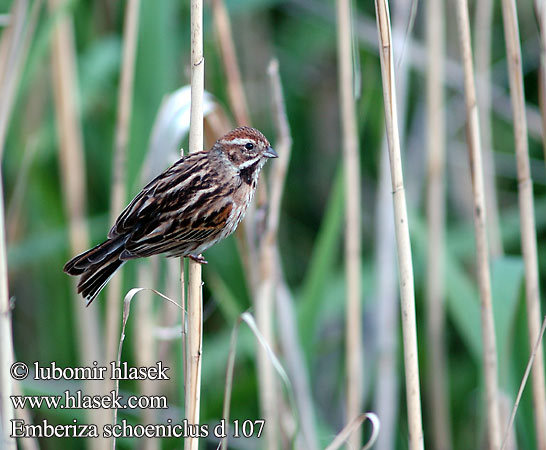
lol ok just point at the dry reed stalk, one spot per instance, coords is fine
(527, 213)
(236, 93)
(125, 317)
(72, 166)
(6, 40)
(266, 377)
(366, 33)
(354, 425)
(6, 340)
(245, 234)
(14, 47)
(230, 365)
(436, 200)
(540, 12)
(119, 166)
(260, 339)
(483, 31)
(15, 207)
(505, 407)
(194, 335)
(523, 383)
(269, 274)
(480, 224)
(386, 404)
(262, 286)
(353, 349)
(11, 58)
(144, 344)
(405, 267)
(24, 414)
(294, 360)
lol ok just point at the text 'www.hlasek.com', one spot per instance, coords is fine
(76, 399)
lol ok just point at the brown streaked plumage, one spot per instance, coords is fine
(189, 207)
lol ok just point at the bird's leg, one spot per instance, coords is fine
(198, 259)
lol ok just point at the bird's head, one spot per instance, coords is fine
(246, 148)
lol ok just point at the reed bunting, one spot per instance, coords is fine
(195, 203)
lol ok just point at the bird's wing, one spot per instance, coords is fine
(168, 190)
(179, 209)
(179, 235)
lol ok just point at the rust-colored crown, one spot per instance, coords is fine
(244, 133)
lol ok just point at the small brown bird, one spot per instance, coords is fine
(195, 203)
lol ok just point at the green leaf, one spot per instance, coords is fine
(463, 306)
(324, 254)
(506, 279)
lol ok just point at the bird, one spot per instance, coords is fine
(198, 201)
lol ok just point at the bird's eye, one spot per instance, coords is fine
(249, 146)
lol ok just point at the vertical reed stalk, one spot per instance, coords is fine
(266, 375)
(194, 335)
(72, 166)
(14, 47)
(294, 360)
(269, 273)
(480, 224)
(236, 93)
(349, 129)
(540, 11)
(119, 169)
(8, 46)
(405, 267)
(484, 29)
(386, 404)
(10, 63)
(6, 339)
(262, 286)
(437, 373)
(527, 213)
(24, 414)
(522, 385)
(288, 336)
(144, 345)
(246, 239)
(10, 37)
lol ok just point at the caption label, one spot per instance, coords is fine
(78, 400)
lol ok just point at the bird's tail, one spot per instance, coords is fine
(96, 266)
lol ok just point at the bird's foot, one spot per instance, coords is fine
(198, 259)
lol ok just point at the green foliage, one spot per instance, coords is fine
(311, 231)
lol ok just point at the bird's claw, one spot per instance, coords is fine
(198, 259)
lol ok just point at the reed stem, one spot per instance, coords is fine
(72, 164)
(527, 214)
(353, 318)
(540, 12)
(386, 402)
(6, 340)
(437, 361)
(405, 266)
(119, 168)
(484, 29)
(194, 334)
(480, 225)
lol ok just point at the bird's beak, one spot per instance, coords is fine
(270, 153)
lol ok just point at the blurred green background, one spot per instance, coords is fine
(302, 35)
